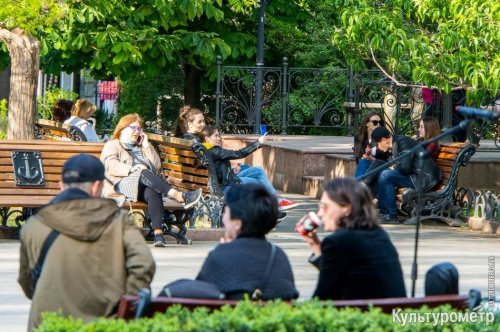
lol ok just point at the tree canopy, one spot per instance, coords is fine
(445, 43)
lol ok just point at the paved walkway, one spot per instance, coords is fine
(466, 249)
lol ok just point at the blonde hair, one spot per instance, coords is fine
(124, 122)
(83, 105)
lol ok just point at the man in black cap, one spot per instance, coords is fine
(95, 252)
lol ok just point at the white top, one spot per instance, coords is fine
(85, 126)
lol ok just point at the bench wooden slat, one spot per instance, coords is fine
(185, 169)
(186, 177)
(177, 151)
(128, 304)
(179, 159)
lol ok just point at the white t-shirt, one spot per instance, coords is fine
(85, 126)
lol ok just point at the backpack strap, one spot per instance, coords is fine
(37, 270)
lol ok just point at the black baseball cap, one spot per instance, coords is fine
(379, 133)
(82, 168)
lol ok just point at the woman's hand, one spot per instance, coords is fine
(263, 138)
(136, 168)
(236, 169)
(145, 140)
(311, 238)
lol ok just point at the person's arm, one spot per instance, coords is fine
(224, 154)
(139, 262)
(110, 158)
(333, 271)
(89, 132)
(24, 277)
(150, 153)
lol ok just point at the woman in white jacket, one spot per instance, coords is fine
(80, 113)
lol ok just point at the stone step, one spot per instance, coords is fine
(313, 185)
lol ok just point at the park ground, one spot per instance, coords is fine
(468, 250)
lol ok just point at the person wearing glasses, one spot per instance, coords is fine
(365, 150)
(80, 114)
(133, 169)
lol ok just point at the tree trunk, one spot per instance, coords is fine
(192, 85)
(24, 54)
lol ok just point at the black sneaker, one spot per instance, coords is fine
(387, 219)
(160, 241)
(191, 198)
(281, 217)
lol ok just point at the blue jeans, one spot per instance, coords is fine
(363, 165)
(387, 183)
(256, 174)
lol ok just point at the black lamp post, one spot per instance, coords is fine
(259, 80)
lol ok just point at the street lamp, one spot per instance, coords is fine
(259, 62)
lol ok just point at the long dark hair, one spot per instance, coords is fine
(362, 136)
(186, 115)
(349, 192)
(206, 132)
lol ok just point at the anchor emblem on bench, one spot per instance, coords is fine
(28, 168)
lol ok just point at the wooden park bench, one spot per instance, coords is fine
(58, 131)
(143, 305)
(31, 169)
(438, 203)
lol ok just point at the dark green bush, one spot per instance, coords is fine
(314, 316)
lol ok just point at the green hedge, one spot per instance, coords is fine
(278, 316)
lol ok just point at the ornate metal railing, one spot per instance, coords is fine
(478, 203)
(310, 100)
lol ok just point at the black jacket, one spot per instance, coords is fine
(430, 172)
(221, 158)
(358, 264)
(238, 268)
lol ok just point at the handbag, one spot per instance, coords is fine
(192, 289)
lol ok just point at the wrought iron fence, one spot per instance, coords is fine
(333, 101)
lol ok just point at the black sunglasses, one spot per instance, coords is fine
(377, 122)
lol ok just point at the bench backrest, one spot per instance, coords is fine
(180, 163)
(58, 131)
(451, 157)
(129, 303)
(52, 156)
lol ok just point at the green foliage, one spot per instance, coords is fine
(3, 119)
(140, 94)
(125, 37)
(46, 103)
(276, 316)
(435, 43)
(33, 16)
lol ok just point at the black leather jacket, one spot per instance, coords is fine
(221, 158)
(431, 174)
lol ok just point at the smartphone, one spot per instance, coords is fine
(139, 140)
(263, 129)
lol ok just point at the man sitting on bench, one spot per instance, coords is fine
(404, 175)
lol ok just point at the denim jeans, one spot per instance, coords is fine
(387, 183)
(256, 174)
(363, 165)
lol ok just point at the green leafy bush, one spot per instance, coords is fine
(3, 119)
(276, 316)
(52, 95)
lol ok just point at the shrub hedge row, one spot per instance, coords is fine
(277, 316)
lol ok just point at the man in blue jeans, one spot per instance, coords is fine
(403, 175)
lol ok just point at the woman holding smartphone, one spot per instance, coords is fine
(358, 260)
(134, 170)
(210, 136)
